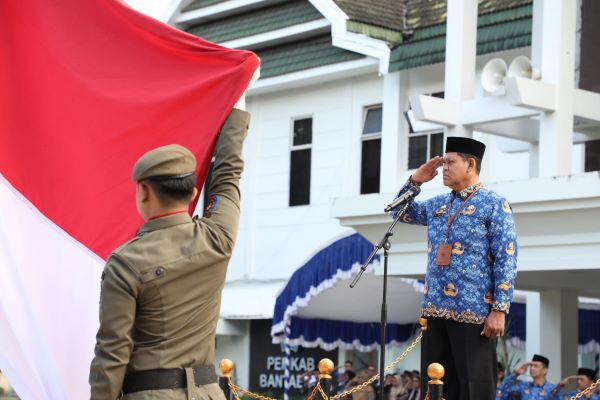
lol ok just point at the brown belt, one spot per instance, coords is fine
(157, 379)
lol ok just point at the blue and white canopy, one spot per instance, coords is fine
(320, 309)
(589, 328)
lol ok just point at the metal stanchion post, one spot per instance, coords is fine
(326, 367)
(435, 372)
(226, 366)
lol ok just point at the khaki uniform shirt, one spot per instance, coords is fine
(161, 291)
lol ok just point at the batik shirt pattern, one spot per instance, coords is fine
(483, 263)
(513, 388)
(558, 395)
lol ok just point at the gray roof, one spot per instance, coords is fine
(302, 55)
(196, 4)
(390, 14)
(406, 16)
(253, 22)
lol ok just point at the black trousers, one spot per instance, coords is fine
(469, 359)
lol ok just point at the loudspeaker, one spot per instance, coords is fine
(521, 67)
(493, 74)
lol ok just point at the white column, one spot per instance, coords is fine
(394, 141)
(461, 50)
(234, 344)
(554, 30)
(532, 325)
(536, 33)
(559, 331)
(534, 160)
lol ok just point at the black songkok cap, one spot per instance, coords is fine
(590, 373)
(455, 144)
(542, 359)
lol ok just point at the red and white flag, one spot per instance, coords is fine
(86, 87)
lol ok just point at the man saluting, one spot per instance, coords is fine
(471, 269)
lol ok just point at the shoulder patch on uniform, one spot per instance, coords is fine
(213, 201)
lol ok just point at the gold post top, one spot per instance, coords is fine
(435, 372)
(326, 367)
(226, 366)
(423, 323)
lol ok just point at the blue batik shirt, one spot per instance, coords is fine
(558, 395)
(526, 390)
(483, 263)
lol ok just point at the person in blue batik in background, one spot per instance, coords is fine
(470, 272)
(585, 377)
(540, 388)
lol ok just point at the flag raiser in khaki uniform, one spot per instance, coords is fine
(161, 290)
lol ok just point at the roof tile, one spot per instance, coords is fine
(257, 21)
(302, 55)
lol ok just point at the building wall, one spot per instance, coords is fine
(275, 238)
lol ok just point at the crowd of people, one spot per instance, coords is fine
(407, 385)
(511, 387)
(397, 386)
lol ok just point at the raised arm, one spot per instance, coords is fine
(223, 212)
(416, 213)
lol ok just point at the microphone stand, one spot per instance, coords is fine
(385, 244)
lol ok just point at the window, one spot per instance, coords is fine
(370, 166)
(424, 144)
(300, 162)
(592, 155)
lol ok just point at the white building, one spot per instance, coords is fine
(329, 143)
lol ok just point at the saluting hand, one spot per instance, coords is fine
(522, 368)
(427, 171)
(567, 380)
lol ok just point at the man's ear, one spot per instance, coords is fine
(472, 164)
(144, 190)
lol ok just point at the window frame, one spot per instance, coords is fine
(429, 133)
(368, 137)
(299, 147)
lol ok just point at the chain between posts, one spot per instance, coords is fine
(235, 388)
(586, 391)
(319, 389)
(374, 378)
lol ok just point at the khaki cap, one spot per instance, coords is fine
(171, 161)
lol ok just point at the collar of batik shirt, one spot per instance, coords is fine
(466, 192)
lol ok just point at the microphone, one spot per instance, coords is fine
(412, 192)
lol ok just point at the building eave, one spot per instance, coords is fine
(314, 76)
(356, 42)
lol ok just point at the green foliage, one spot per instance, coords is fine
(509, 359)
